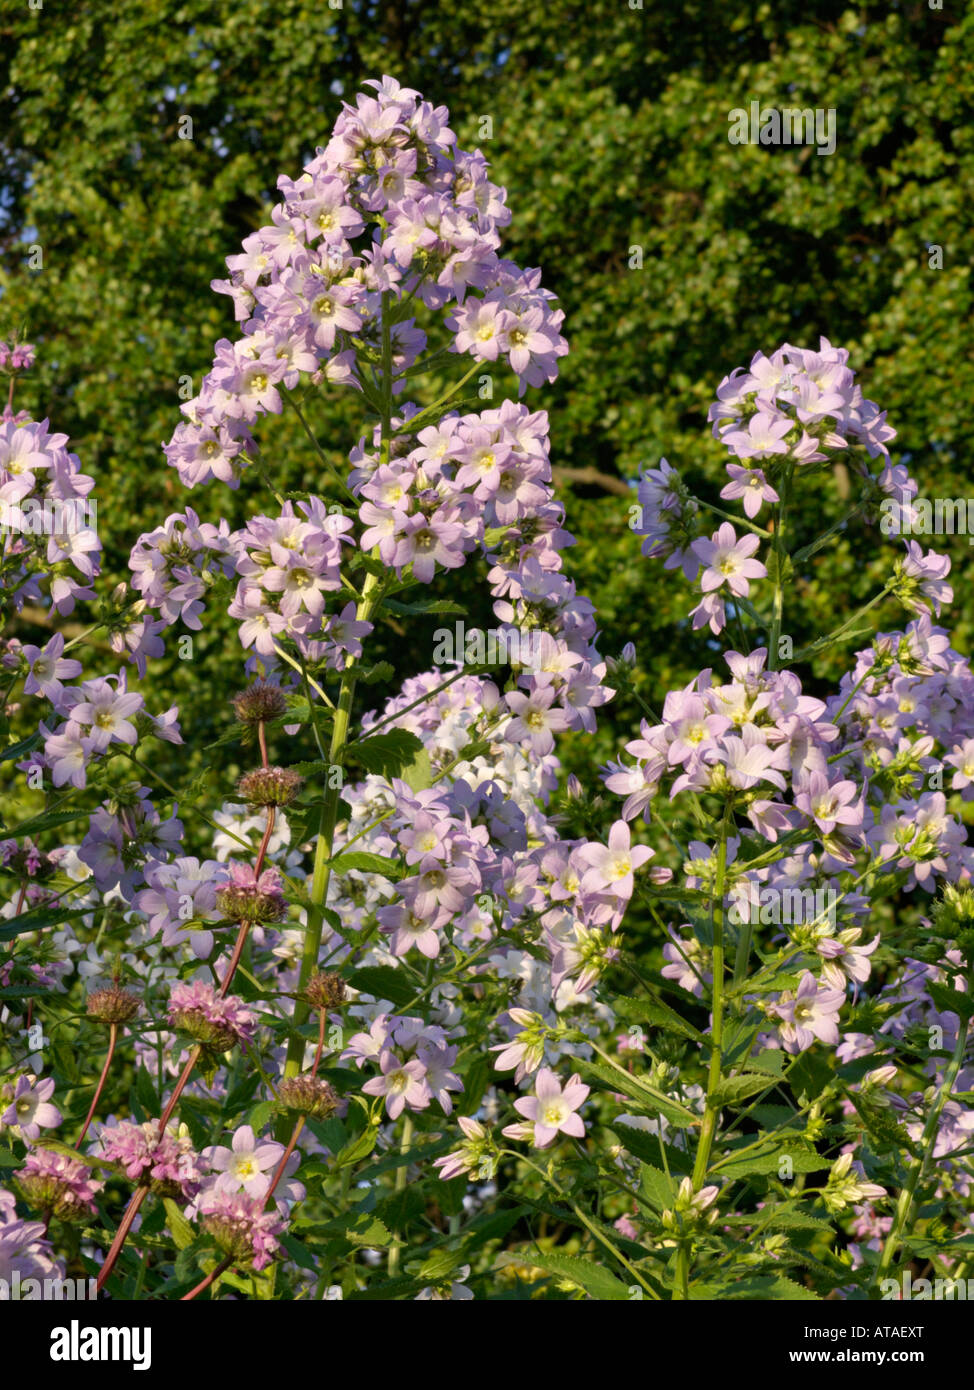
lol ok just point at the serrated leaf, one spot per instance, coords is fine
(648, 1101)
(420, 1154)
(45, 821)
(261, 1115)
(771, 1061)
(39, 919)
(386, 754)
(734, 1089)
(761, 1165)
(381, 671)
(361, 1228)
(951, 1000)
(598, 1282)
(655, 1186)
(657, 1015)
(759, 1287)
(795, 1219)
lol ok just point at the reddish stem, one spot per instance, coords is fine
(279, 1171)
(321, 1042)
(131, 1211)
(205, 1283)
(193, 1058)
(112, 1039)
(268, 831)
(235, 958)
(262, 739)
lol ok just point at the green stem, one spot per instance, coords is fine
(321, 873)
(711, 1114)
(780, 555)
(904, 1205)
(401, 1175)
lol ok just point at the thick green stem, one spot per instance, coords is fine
(401, 1175)
(711, 1114)
(321, 873)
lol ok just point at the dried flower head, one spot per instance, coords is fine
(269, 786)
(308, 1095)
(112, 1004)
(259, 702)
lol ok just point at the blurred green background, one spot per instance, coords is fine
(609, 129)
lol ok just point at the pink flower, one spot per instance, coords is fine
(726, 560)
(552, 1109)
(611, 869)
(402, 1084)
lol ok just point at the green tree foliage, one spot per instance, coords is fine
(140, 142)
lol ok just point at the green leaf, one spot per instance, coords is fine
(779, 570)
(383, 982)
(358, 1148)
(261, 1115)
(440, 605)
(645, 1146)
(757, 1287)
(761, 1165)
(299, 1253)
(182, 1232)
(952, 1001)
(146, 1092)
(421, 1153)
(38, 919)
(399, 1210)
(737, 1088)
(386, 754)
(594, 1279)
(45, 821)
(655, 1186)
(362, 1229)
(419, 774)
(381, 671)
(809, 1075)
(795, 1219)
(367, 864)
(493, 536)
(658, 1015)
(18, 750)
(771, 1061)
(647, 1100)
(9, 1160)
